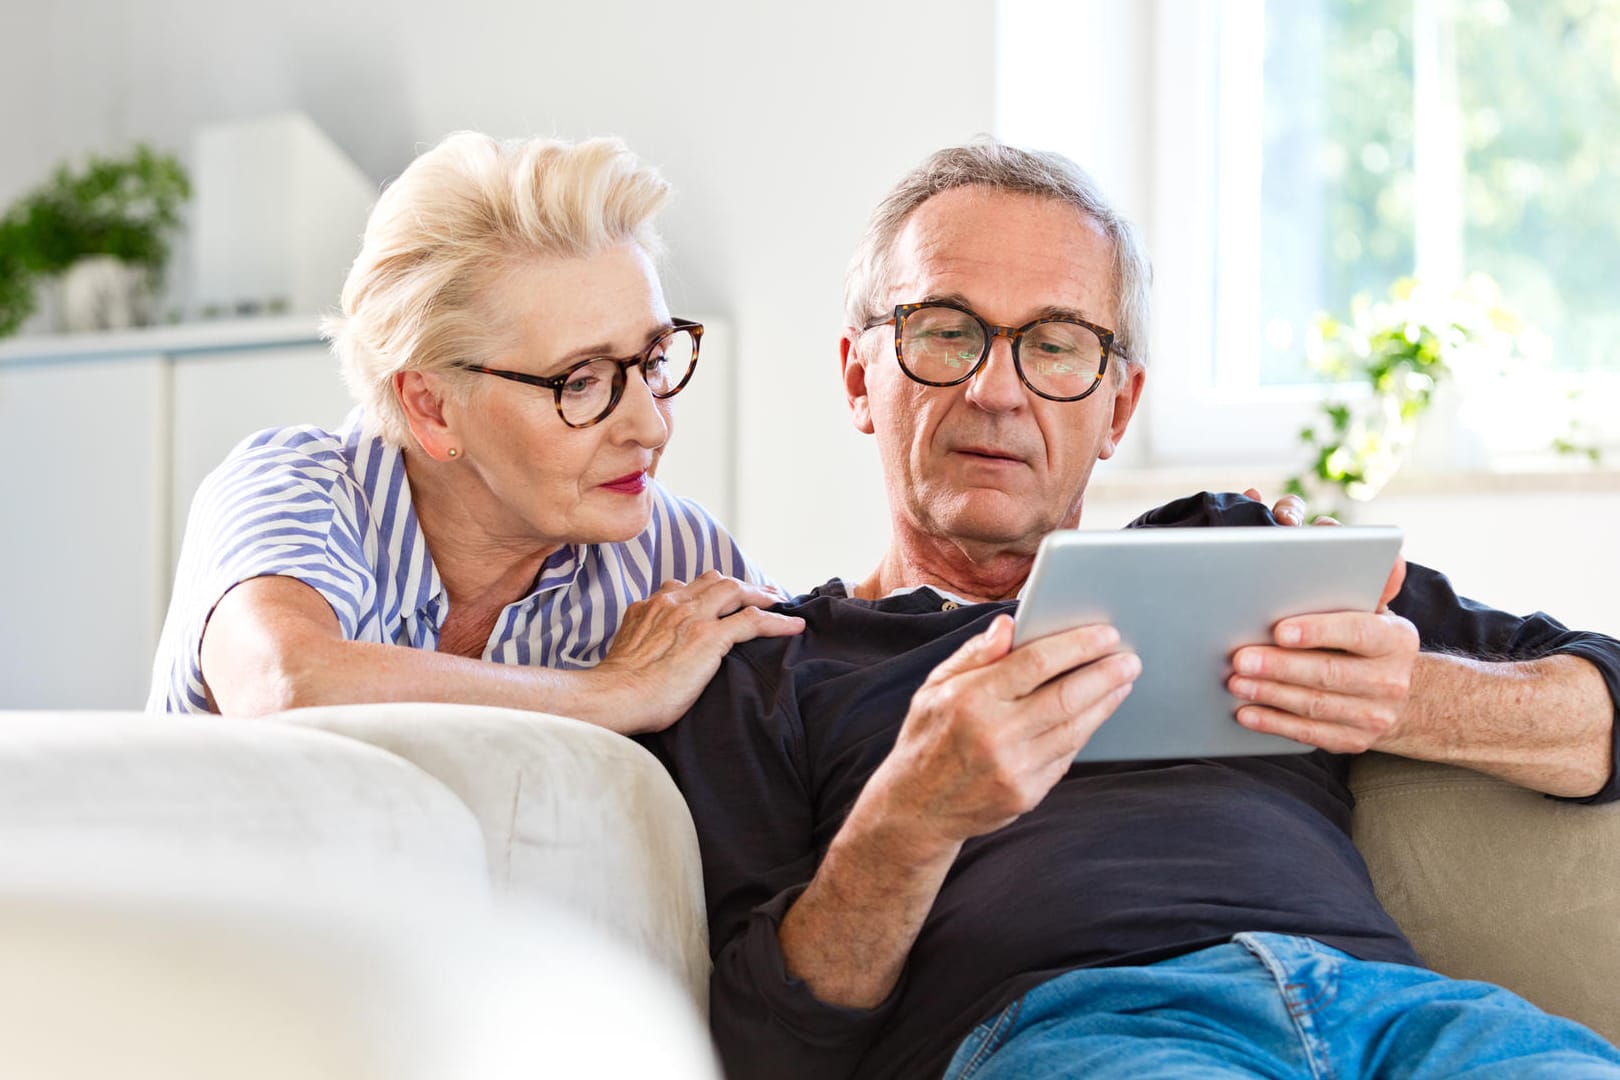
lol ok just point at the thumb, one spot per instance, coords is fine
(980, 650)
(1392, 587)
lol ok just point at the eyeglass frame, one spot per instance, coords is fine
(1014, 336)
(621, 378)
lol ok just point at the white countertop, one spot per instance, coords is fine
(162, 340)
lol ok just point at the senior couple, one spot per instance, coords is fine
(906, 875)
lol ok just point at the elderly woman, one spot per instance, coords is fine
(485, 527)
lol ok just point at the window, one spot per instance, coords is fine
(1290, 154)
(1435, 137)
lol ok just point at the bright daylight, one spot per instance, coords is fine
(846, 541)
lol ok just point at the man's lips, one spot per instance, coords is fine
(629, 483)
(989, 455)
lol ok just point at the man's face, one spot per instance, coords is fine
(988, 464)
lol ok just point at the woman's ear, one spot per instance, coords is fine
(421, 396)
(854, 369)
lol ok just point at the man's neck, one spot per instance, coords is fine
(976, 573)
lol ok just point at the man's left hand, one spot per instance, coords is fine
(1338, 681)
(1290, 510)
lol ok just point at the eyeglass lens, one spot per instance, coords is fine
(942, 345)
(588, 394)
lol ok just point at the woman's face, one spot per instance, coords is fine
(542, 481)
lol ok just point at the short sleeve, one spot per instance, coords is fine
(268, 510)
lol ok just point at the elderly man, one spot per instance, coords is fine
(906, 873)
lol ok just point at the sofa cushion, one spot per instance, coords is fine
(571, 813)
(76, 788)
(1491, 881)
(159, 972)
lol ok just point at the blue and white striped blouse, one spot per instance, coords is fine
(333, 510)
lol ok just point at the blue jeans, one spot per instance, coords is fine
(1271, 1005)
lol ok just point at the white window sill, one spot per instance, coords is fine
(1542, 475)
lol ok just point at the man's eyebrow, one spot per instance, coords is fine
(1050, 311)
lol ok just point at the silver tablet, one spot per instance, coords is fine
(1184, 600)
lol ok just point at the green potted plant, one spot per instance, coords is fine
(110, 223)
(1401, 355)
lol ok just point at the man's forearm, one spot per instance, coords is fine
(1546, 724)
(849, 933)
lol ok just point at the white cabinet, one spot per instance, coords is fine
(105, 437)
(83, 453)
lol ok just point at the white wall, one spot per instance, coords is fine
(780, 125)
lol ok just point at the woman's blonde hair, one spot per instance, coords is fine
(461, 214)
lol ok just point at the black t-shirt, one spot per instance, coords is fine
(1122, 863)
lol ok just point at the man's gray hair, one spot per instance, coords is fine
(1000, 167)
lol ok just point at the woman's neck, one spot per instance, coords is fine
(478, 566)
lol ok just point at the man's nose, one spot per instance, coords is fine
(996, 387)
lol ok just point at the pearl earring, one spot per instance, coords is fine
(453, 451)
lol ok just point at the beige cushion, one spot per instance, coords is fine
(1494, 882)
(572, 814)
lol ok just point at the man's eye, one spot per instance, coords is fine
(580, 384)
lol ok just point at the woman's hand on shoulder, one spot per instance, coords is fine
(669, 645)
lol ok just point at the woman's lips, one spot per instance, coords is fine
(629, 484)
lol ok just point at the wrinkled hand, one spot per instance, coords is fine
(994, 728)
(669, 646)
(1338, 681)
(1290, 510)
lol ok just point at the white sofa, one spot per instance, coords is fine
(494, 811)
(396, 892)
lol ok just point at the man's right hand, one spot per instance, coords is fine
(994, 728)
(985, 739)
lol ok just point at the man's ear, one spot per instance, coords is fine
(422, 398)
(1126, 396)
(849, 357)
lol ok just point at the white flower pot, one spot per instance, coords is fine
(103, 292)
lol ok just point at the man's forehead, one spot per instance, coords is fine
(1028, 256)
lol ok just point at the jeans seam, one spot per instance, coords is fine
(1321, 1069)
(992, 1038)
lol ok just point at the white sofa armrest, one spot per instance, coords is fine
(572, 813)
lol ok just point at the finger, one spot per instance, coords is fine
(982, 649)
(713, 595)
(1253, 493)
(1397, 578)
(1338, 672)
(1365, 633)
(1315, 703)
(1040, 661)
(752, 622)
(1333, 737)
(1289, 510)
(1061, 742)
(1079, 694)
(1325, 519)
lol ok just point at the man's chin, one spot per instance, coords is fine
(1018, 535)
